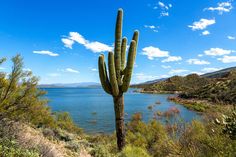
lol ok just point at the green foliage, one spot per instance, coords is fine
(132, 151)
(9, 148)
(178, 83)
(229, 124)
(222, 91)
(20, 99)
(64, 121)
(100, 151)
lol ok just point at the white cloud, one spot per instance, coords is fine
(206, 32)
(164, 14)
(200, 55)
(98, 47)
(172, 59)
(150, 26)
(2, 68)
(44, 52)
(54, 74)
(166, 66)
(202, 24)
(228, 59)
(161, 4)
(78, 38)
(141, 77)
(217, 52)
(177, 71)
(94, 46)
(154, 52)
(207, 70)
(231, 37)
(94, 69)
(163, 8)
(71, 70)
(197, 61)
(221, 7)
(67, 42)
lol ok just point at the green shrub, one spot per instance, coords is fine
(100, 151)
(9, 148)
(132, 151)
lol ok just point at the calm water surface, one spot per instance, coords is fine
(92, 109)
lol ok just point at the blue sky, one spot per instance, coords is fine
(61, 40)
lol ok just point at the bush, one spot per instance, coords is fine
(132, 151)
(9, 148)
(100, 151)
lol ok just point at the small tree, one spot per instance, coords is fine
(119, 75)
(20, 99)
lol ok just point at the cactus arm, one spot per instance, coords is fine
(129, 66)
(117, 51)
(103, 75)
(135, 37)
(123, 53)
(112, 74)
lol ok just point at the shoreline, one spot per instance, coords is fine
(139, 90)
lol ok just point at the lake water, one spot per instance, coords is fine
(92, 109)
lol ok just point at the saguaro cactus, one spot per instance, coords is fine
(119, 77)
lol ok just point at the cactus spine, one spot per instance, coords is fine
(120, 74)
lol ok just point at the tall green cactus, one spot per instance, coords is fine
(119, 77)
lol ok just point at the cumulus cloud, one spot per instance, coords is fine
(172, 59)
(202, 24)
(221, 7)
(197, 61)
(177, 71)
(217, 52)
(206, 33)
(71, 70)
(94, 46)
(154, 52)
(67, 42)
(75, 36)
(228, 59)
(45, 52)
(231, 37)
(207, 70)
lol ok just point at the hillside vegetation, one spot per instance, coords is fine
(221, 91)
(178, 83)
(28, 128)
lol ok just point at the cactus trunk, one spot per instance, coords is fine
(119, 115)
(120, 73)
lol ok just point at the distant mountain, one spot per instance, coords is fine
(70, 85)
(216, 74)
(219, 73)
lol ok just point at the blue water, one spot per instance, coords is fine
(82, 103)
